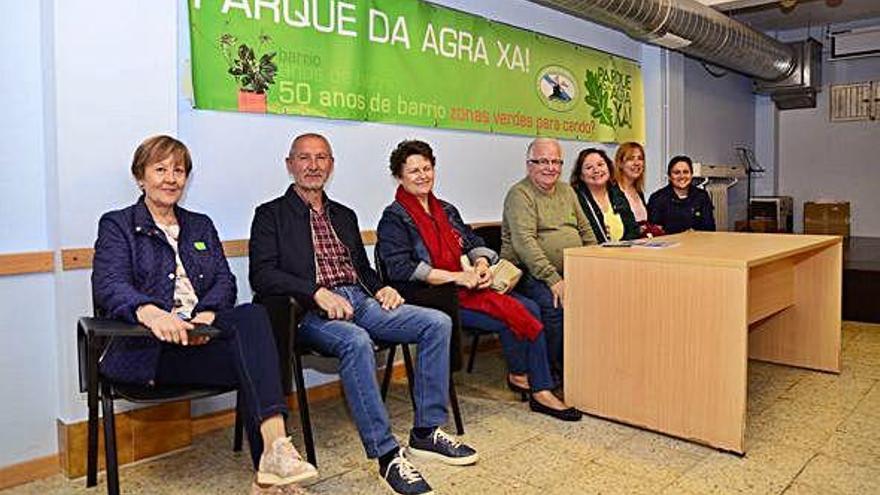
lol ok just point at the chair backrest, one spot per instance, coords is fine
(491, 235)
(82, 345)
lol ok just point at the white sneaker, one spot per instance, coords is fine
(281, 464)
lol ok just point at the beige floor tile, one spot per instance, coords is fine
(826, 473)
(656, 457)
(798, 488)
(863, 425)
(479, 480)
(597, 479)
(854, 448)
(829, 390)
(354, 482)
(766, 468)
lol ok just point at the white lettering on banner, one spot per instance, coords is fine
(338, 17)
(259, 5)
(512, 57)
(455, 44)
(373, 30)
(346, 19)
(301, 17)
(379, 32)
(238, 4)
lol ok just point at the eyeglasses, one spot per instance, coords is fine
(320, 159)
(544, 162)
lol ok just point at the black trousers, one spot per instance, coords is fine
(243, 355)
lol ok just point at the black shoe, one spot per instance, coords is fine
(442, 447)
(570, 414)
(404, 479)
(522, 391)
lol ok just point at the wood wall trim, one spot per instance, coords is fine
(76, 258)
(21, 263)
(236, 248)
(81, 258)
(34, 469)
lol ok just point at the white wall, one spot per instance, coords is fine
(820, 159)
(719, 115)
(28, 373)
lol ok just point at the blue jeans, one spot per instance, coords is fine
(243, 355)
(352, 342)
(539, 292)
(525, 356)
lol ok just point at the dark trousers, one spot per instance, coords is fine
(243, 355)
(539, 292)
(442, 298)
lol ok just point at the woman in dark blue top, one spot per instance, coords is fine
(681, 205)
(162, 266)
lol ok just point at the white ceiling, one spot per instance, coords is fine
(768, 15)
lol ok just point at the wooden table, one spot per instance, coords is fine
(660, 338)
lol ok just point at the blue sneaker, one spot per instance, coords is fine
(404, 479)
(441, 446)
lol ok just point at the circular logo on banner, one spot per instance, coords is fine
(556, 88)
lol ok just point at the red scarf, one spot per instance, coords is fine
(444, 246)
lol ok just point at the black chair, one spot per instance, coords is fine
(453, 395)
(473, 322)
(93, 334)
(285, 314)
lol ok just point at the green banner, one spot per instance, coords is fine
(408, 62)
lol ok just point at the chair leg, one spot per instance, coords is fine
(110, 457)
(92, 444)
(92, 449)
(239, 424)
(456, 411)
(303, 401)
(474, 341)
(389, 370)
(410, 374)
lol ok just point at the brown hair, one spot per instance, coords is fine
(157, 148)
(619, 158)
(579, 164)
(406, 149)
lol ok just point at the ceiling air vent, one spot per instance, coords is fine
(799, 89)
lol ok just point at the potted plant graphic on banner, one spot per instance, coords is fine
(254, 75)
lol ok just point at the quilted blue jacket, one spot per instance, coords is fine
(134, 265)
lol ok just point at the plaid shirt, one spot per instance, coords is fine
(332, 260)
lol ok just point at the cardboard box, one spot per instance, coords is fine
(827, 218)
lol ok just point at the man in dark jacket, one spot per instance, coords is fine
(307, 246)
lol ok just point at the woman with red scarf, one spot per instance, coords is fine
(421, 242)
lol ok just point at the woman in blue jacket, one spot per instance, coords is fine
(162, 266)
(421, 240)
(681, 205)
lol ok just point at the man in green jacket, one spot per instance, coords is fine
(541, 218)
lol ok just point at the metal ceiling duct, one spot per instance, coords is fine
(692, 28)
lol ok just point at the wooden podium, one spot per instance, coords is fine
(660, 338)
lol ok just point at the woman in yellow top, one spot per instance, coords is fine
(604, 204)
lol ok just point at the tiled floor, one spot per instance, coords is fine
(808, 433)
